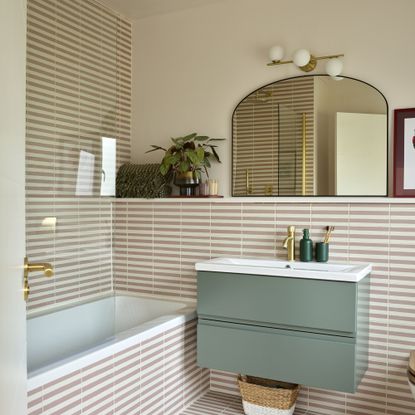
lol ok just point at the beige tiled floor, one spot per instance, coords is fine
(214, 403)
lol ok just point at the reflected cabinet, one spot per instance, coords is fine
(312, 135)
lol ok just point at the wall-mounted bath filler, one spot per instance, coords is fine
(44, 267)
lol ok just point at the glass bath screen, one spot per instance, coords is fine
(273, 144)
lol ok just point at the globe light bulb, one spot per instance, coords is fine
(276, 53)
(301, 57)
(334, 67)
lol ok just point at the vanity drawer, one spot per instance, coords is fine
(314, 360)
(318, 306)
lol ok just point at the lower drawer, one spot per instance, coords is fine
(310, 359)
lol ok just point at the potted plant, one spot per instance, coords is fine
(187, 158)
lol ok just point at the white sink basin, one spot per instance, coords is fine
(293, 269)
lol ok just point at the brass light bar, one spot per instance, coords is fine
(311, 65)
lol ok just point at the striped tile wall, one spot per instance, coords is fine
(79, 248)
(272, 119)
(156, 244)
(78, 90)
(158, 376)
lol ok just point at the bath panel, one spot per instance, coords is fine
(148, 369)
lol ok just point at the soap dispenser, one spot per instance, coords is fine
(306, 247)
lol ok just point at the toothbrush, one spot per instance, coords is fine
(329, 230)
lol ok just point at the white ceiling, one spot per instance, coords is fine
(137, 9)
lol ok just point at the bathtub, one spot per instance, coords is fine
(66, 341)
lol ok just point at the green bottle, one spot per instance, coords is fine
(306, 247)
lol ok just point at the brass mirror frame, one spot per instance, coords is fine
(300, 196)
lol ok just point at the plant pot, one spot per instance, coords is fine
(187, 183)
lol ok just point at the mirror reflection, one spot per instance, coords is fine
(311, 136)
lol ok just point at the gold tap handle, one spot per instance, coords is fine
(44, 267)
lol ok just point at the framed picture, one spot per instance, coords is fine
(404, 153)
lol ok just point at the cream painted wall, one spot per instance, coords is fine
(192, 67)
(358, 153)
(348, 96)
(12, 207)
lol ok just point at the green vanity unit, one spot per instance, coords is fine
(304, 323)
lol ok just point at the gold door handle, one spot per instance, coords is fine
(44, 267)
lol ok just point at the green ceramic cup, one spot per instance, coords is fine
(322, 252)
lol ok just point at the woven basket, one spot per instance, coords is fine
(267, 397)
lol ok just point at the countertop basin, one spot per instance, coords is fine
(347, 272)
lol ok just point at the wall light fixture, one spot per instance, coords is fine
(305, 61)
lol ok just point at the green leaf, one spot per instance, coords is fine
(189, 137)
(167, 160)
(155, 148)
(217, 139)
(184, 166)
(201, 138)
(193, 157)
(200, 153)
(178, 142)
(215, 154)
(175, 158)
(164, 169)
(207, 162)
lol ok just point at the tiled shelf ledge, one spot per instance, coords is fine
(299, 199)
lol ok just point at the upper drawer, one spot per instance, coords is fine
(312, 305)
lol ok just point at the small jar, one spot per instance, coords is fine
(213, 187)
(322, 252)
(204, 188)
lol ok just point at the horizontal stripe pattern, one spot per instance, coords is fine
(158, 376)
(79, 246)
(214, 403)
(78, 90)
(156, 245)
(268, 139)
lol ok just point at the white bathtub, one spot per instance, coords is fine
(69, 339)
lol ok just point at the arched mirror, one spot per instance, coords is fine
(311, 136)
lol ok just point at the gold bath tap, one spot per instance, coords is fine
(289, 243)
(44, 267)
